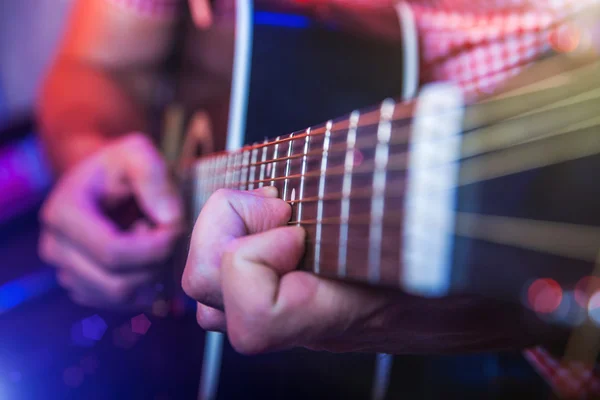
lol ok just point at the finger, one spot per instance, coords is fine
(227, 215)
(74, 216)
(151, 183)
(86, 279)
(270, 306)
(201, 13)
(210, 319)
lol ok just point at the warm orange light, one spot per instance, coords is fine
(544, 295)
(565, 39)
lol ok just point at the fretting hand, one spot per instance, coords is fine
(241, 269)
(99, 263)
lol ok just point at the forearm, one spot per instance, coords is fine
(81, 108)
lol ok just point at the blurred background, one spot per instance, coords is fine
(51, 348)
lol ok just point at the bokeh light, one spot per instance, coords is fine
(124, 338)
(594, 308)
(160, 308)
(565, 39)
(73, 377)
(89, 364)
(569, 312)
(544, 296)
(585, 288)
(358, 157)
(93, 327)
(140, 324)
(78, 338)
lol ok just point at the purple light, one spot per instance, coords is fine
(15, 376)
(124, 338)
(73, 377)
(93, 327)
(140, 324)
(89, 364)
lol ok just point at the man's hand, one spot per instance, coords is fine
(241, 269)
(98, 263)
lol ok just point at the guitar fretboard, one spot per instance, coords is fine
(341, 178)
(370, 188)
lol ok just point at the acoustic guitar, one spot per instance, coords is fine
(439, 196)
(442, 195)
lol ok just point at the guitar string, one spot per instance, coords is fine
(474, 166)
(474, 143)
(356, 220)
(505, 98)
(574, 241)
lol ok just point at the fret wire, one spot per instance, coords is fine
(200, 180)
(217, 178)
(221, 179)
(209, 178)
(197, 190)
(337, 146)
(206, 183)
(263, 158)
(244, 177)
(252, 176)
(474, 164)
(274, 165)
(228, 170)
(346, 188)
(321, 195)
(287, 169)
(363, 169)
(303, 173)
(237, 172)
(384, 132)
(212, 176)
(472, 129)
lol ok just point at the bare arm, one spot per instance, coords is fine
(106, 65)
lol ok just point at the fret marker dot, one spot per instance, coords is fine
(269, 167)
(293, 196)
(358, 157)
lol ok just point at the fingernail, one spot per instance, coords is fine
(267, 191)
(167, 210)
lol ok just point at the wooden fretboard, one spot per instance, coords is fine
(356, 182)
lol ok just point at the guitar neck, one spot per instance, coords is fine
(376, 190)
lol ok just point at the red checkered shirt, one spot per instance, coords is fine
(478, 44)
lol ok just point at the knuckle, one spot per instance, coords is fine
(221, 195)
(197, 286)
(210, 320)
(248, 340)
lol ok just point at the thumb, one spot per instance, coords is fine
(227, 215)
(149, 177)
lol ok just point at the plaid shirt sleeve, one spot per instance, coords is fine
(481, 43)
(571, 380)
